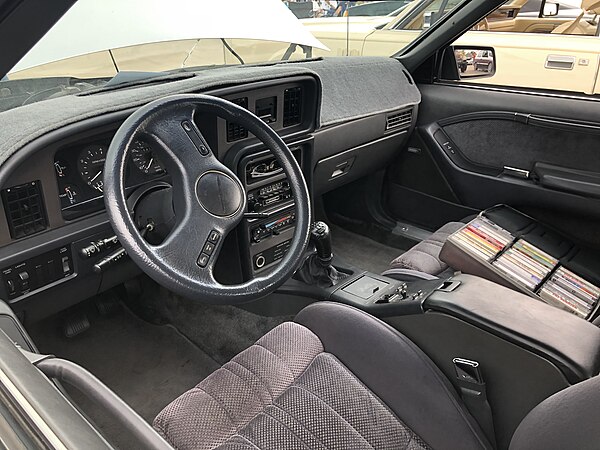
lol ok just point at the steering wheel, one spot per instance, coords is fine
(208, 198)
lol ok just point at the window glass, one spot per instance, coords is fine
(368, 28)
(96, 42)
(536, 44)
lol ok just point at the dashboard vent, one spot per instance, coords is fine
(24, 209)
(292, 106)
(235, 132)
(401, 119)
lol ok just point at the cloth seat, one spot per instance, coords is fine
(317, 383)
(338, 378)
(423, 260)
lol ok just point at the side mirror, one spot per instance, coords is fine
(475, 62)
(550, 9)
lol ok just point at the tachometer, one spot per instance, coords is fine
(91, 165)
(144, 159)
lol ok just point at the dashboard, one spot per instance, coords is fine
(79, 174)
(56, 244)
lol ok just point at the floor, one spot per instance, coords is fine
(222, 331)
(150, 365)
(146, 365)
(362, 252)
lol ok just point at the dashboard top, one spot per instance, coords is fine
(70, 135)
(350, 88)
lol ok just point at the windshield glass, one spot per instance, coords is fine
(97, 42)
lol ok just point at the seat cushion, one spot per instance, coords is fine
(425, 256)
(283, 392)
(291, 390)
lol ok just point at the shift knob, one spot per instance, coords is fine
(321, 237)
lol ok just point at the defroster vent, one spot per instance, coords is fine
(235, 131)
(24, 209)
(401, 119)
(292, 106)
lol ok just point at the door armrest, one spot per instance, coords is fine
(575, 181)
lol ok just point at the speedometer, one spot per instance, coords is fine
(144, 159)
(91, 165)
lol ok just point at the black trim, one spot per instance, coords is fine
(525, 91)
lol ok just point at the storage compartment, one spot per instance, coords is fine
(512, 249)
(337, 170)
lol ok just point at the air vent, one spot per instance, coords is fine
(292, 106)
(24, 209)
(401, 119)
(235, 132)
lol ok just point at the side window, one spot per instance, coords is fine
(538, 44)
(426, 14)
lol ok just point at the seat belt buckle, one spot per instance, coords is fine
(473, 392)
(468, 372)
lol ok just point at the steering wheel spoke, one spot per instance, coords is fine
(195, 242)
(176, 133)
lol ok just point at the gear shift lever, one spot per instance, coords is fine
(317, 269)
(321, 237)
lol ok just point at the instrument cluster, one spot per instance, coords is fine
(79, 173)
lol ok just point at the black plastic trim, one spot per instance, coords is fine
(98, 392)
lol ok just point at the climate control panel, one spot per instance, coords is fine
(272, 227)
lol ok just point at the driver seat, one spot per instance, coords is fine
(338, 378)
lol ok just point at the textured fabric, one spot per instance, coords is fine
(283, 393)
(396, 371)
(425, 256)
(342, 97)
(565, 420)
(378, 77)
(408, 274)
(523, 145)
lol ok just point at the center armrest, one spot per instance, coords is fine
(571, 343)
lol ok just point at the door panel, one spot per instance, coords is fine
(503, 141)
(466, 136)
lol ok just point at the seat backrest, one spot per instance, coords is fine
(567, 419)
(580, 26)
(591, 6)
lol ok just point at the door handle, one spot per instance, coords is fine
(560, 62)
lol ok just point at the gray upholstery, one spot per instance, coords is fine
(283, 392)
(523, 144)
(398, 372)
(343, 98)
(425, 256)
(566, 420)
(302, 389)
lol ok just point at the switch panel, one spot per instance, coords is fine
(32, 274)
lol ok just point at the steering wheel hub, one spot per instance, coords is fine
(219, 194)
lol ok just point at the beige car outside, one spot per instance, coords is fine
(529, 52)
(158, 56)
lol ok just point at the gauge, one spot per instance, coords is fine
(91, 165)
(144, 159)
(69, 195)
(61, 168)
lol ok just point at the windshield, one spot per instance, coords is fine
(97, 42)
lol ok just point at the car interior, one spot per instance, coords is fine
(330, 253)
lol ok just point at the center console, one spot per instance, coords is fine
(266, 238)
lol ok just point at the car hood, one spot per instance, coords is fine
(340, 24)
(118, 23)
